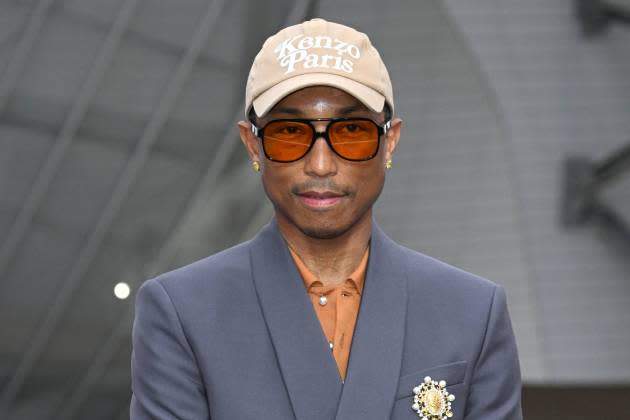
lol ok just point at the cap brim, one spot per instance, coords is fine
(368, 96)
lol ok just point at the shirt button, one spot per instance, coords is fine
(323, 300)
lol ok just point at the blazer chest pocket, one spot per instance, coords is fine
(453, 373)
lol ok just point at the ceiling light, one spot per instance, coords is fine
(121, 290)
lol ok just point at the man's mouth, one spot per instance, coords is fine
(320, 199)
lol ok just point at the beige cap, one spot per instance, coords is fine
(317, 52)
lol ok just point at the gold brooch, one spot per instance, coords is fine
(432, 401)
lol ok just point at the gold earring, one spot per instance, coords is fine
(256, 166)
(388, 164)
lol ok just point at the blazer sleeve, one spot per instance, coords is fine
(165, 378)
(495, 390)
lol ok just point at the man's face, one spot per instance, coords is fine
(322, 194)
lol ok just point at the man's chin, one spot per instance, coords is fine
(323, 227)
(319, 224)
(322, 232)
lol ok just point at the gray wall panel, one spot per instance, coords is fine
(561, 95)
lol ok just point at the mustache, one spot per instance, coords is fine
(327, 184)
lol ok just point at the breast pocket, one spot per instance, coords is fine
(453, 373)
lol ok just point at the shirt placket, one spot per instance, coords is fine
(345, 295)
(325, 300)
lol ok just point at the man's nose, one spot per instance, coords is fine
(320, 161)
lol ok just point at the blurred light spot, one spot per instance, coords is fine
(121, 290)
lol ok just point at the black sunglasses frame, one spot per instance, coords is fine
(260, 133)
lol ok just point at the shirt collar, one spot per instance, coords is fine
(357, 277)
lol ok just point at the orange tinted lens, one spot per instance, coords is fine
(354, 139)
(287, 140)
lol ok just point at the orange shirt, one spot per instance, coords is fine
(337, 307)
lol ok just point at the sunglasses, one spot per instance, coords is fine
(288, 140)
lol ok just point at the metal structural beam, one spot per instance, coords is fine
(595, 16)
(66, 136)
(22, 50)
(612, 166)
(583, 182)
(150, 42)
(127, 178)
(109, 114)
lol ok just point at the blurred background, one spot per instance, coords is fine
(120, 159)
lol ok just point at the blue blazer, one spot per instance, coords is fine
(234, 336)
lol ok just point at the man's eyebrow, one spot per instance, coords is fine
(289, 110)
(350, 109)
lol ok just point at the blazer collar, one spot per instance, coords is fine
(306, 362)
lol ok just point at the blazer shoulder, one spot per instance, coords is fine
(227, 266)
(426, 271)
(447, 292)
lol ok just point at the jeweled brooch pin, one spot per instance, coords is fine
(432, 401)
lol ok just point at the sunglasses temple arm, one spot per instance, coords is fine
(387, 126)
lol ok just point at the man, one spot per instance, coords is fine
(321, 316)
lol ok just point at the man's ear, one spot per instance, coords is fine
(392, 138)
(250, 141)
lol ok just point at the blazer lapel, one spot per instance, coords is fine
(377, 344)
(306, 363)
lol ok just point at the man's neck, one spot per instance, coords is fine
(331, 260)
